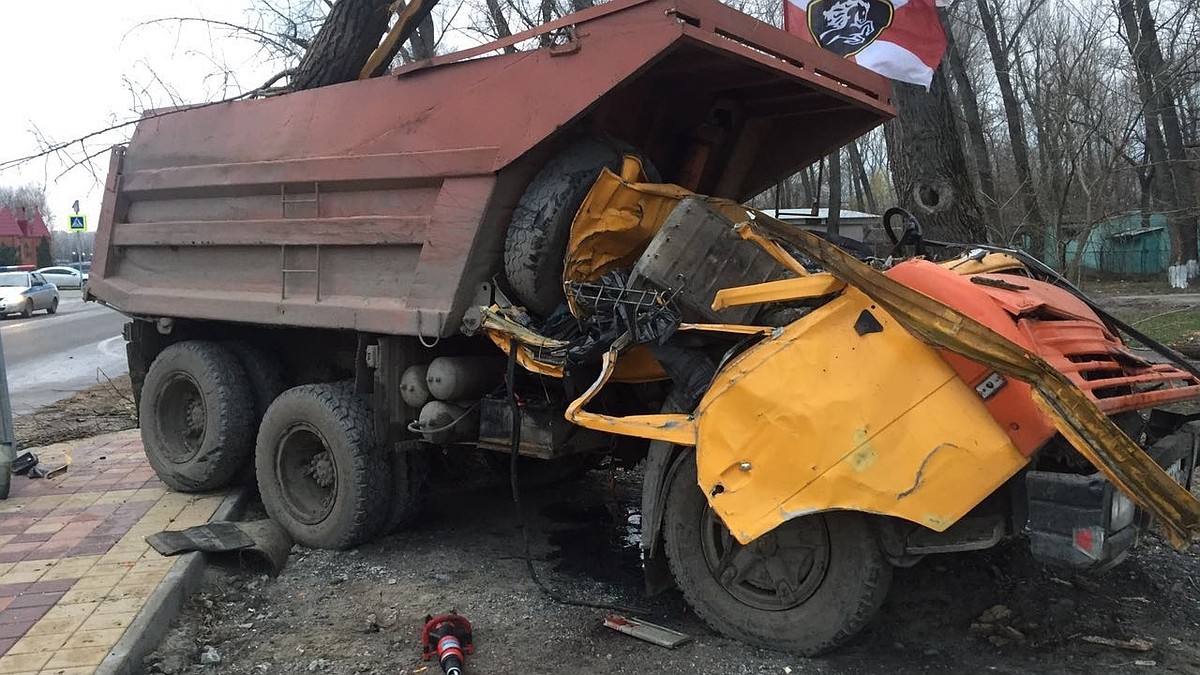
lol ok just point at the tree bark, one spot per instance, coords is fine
(424, 42)
(1016, 130)
(1164, 144)
(974, 124)
(928, 166)
(337, 54)
(857, 165)
(806, 182)
(1168, 111)
(499, 23)
(856, 192)
(833, 219)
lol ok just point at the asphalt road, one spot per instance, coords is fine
(50, 357)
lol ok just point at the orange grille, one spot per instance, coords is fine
(1115, 377)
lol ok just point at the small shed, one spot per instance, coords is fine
(1142, 250)
(864, 227)
(1130, 244)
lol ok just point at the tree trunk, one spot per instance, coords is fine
(928, 167)
(974, 123)
(1180, 173)
(833, 221)
(1173, 181)
(856, 189)
(1016, 131)
(337, 54)
(424, 41)
(857, 165)
(499, 23)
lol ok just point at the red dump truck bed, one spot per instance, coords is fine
(381, 205)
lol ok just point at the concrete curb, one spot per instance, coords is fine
(163, 605)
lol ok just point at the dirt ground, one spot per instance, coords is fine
(97, 410)
(361, 611)
(1170, 318)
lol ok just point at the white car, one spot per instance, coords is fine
(24, 292)
(64, 277)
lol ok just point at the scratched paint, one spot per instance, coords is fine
(920, 475)
(865, 454)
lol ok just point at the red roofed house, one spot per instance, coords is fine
(23, 234)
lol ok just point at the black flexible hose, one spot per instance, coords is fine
(515, 407)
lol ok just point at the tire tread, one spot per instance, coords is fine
(536, 241)
(347, 414)
(217, 371)
(873, 590)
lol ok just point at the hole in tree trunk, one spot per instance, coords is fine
(928, 197)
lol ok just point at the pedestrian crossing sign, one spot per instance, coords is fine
(77, 222)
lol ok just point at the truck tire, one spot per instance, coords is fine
(806, 587)
(410, 487)
(321, 473)
(536, 242)
(264, 374)
(196, 416)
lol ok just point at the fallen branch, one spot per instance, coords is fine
(64, 145)
(113, 387)
(1155, 316)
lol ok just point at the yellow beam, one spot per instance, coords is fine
(408, 17)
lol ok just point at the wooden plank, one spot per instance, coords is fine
(348, 231)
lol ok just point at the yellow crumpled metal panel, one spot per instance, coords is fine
(990, 263)
(827, 419)
(616, 221)
(1074, 415)
(950, 482)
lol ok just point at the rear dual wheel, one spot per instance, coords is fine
(323, 475)
(806, 587)
(196, 415)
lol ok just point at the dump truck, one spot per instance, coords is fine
(541, 255)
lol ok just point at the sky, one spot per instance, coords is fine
(71, 67)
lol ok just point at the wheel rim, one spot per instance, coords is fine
(778, 571)
(307, 473)
(181, 418)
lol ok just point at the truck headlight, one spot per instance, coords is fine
(1121, 512)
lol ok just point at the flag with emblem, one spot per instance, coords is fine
(900, 39)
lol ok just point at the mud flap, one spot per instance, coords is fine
(662, 462)
(692, 371)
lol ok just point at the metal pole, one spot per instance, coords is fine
(8, 445)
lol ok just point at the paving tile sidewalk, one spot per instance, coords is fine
(75, 569)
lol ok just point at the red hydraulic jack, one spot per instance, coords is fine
(448, 636)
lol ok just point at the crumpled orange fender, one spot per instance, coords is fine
(846, 410)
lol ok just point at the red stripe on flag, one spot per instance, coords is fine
(795, 20)
(916, 27)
